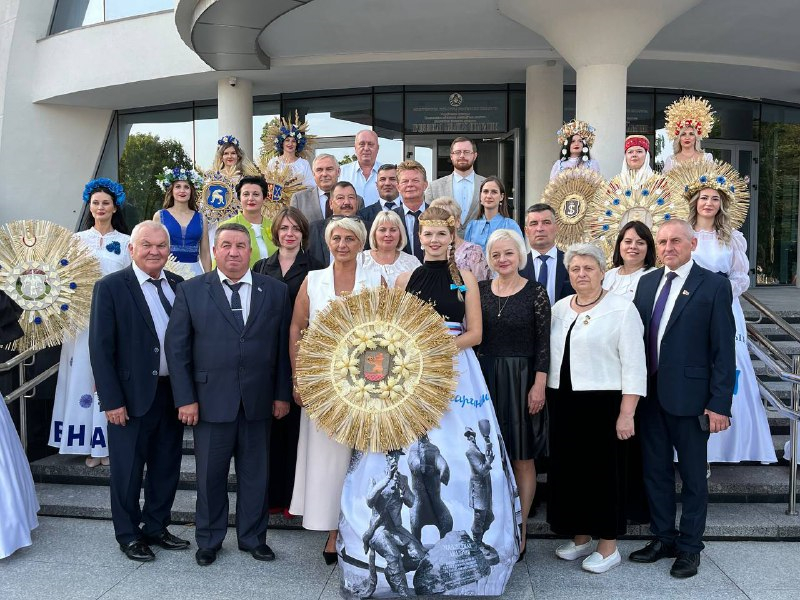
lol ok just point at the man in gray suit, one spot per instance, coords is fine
(463, 184)
(313, 203)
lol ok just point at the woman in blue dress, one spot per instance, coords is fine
(188, 230)
(492, 214)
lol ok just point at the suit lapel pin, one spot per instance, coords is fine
(259, 289)
(685, 293)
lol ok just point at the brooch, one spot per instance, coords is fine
(114, 247)
(586, 319)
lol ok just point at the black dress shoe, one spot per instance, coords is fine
(138, 550)
(205, 556)
(655, 550)
(167, 541)
(260, 552)
(685, 565)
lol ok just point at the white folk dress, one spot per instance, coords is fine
(403, 264)
(670, 163)
(623, 285)
(573, 163)
(321, 461)
(300, 168)
(78, 425)
(18, 504)
(749, 437)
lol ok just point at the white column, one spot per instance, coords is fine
(544, 114)
(600, 100)
(235, 111)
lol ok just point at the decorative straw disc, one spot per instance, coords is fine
(50, 273)
(375, 370)
(570, 195)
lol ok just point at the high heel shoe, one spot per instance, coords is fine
(330, 557)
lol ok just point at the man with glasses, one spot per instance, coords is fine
(463, 184)
(388, 196)
(343, 203)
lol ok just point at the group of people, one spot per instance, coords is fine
(634, 367)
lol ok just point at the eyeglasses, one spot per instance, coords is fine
(341, 217)
(462, 153)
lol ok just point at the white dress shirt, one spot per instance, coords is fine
(244, 291)
(411, 223)
(366, 187)
(323, 200)
(160, 317)
(551, 270)
(674, 291)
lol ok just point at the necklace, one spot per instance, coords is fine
(499, 307)
(590, 303)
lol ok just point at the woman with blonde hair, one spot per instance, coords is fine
(468, 256)
(387, 238)
(688, 120)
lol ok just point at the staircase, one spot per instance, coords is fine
(747, 501)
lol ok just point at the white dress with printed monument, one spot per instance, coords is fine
(749, 437)
(78, 425)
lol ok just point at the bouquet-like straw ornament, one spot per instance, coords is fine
(570, 195)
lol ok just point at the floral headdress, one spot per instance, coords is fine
(581, 128)
(277, 130)
(689, 112)
(688, 178)
(117, 191)
(227, 139)
(170, 176)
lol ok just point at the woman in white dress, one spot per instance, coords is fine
(322, 462)
(576, 139)
(687, 121)
(636, 167)
(299, 165)
(722, 249)
(387, 238)
(78, 425)
(18, 504)
(634, 255)
(287, 143)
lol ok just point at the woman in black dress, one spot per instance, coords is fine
(515, 357)
(290, 264)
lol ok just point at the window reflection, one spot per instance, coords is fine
(70, 14)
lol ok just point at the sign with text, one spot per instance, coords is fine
(456, 112)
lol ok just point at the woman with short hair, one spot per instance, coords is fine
(597, 375)
(634, 255)
(387, 238)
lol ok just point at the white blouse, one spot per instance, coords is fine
(606, 346)
(623, 285)
(403, 264)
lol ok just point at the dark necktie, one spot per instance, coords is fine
(328, 209)
(543, 270)
(236, 303)
(655, 323)
(417, 249)
(389, 205)
(161, 295)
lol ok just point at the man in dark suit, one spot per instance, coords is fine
(412, 181)
(388, 197)
(343, 203)
(691, 362)
(130, 312)
(545, 261)
(227, 347)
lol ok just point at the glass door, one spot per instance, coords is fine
(743, 156)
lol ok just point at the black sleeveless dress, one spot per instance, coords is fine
(432, 283)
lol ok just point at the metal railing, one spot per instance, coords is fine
(26, 389)
(787, 368)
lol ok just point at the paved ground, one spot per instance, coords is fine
(78, 559)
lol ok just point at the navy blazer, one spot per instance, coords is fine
(402, 214)
(215, 363)
(697, 358)
(123, 344)
(563, 287)
(317, 248)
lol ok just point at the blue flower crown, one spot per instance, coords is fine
(294, 132)
(170, 176)
(227, 139)
(117, 191)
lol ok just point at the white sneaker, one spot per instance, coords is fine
(570, 551)
(595, 563)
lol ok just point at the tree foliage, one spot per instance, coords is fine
(142, 164)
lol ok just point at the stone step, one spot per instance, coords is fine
(757, 521)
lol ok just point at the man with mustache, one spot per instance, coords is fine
(343, 203)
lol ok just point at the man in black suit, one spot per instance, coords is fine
(130, 312)
(412, 181)
(545, 261)
(227, 347)
(689, 337)
(388, 197)
(343, 203)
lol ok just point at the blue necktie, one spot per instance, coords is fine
(161, 295)
(655, 323)
(543, 270)
(236, 303)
